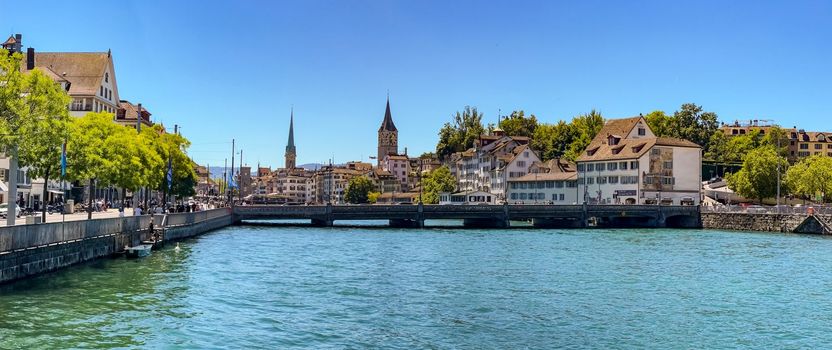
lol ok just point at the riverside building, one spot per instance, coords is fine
(627, 164)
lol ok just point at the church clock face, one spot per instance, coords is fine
(391, 139)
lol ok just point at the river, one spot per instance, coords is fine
(365, 287)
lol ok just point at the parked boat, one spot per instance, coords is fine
(138, 251)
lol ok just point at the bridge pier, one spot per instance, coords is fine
(322, 222)
(486, 223)
(407, 223)
(558, 223)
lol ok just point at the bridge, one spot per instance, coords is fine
(497, 216)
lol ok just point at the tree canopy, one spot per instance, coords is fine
(758, 177)
(358, 190)
(460, 134)
(811, 177)
(437, 181)
(517, 124)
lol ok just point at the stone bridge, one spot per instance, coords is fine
(574, 216)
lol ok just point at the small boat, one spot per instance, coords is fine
(138, 251)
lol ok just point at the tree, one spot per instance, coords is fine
(553, 140)
(358, 190)
(13, 116)
(811, 177)
(517, 124)
(437, 181)
(586, 127)
(372, 197)
(758, 176)
(779, 138)
(660, 123)
(692, 124)
(44, 128)
(460, 134)
(90, 155)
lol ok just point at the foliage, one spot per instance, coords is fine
(372, 197)
(660, 123)
(358, 190)
(553, 140)
(585, 128)
(517, 124)
(811, 177)
(758, 178)
(437, 181)
(693, 124)
(460, 134)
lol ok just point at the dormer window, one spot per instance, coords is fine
(638, 148)
(617, 150)
(591, 152)
(613, 140)
(821, 138)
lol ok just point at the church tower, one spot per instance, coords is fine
(388, 136)
(290, 147)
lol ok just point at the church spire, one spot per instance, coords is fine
(291, 154)
(387, 124)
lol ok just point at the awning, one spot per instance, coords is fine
(56, 191)
(3, 187)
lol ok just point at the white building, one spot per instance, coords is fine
(551, 182)
(492, 162)
(627, 164)
(399, 166)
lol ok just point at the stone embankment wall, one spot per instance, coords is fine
(28, 250)
(756, 222)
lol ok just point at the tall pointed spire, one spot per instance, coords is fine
(387, 124)
(291, 154)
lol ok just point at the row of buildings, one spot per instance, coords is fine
(89, 78)
(802, 143)
(624, 164)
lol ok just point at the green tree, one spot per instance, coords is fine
(691, 123)
(778, 138)
(44, 130)
(460, 134)
(90, 155)
(660, 123)
(811, 177)
(758, 176)
(437, 181)
(553, 140)
(585, 127)
(358, 190)
(517, 124)
(372, 197)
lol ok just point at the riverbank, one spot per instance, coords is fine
(767, 222)
(28, 250)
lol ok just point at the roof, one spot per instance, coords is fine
(615, 127)
(546, 177)
(85, 70)
(10, 40)
(290, 146)
(631, 148)
(387, 123)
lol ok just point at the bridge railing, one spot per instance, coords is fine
(180, 219)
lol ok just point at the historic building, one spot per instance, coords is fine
(291, 154)
(627, 164)
(388, 136)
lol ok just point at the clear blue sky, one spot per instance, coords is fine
(233, 69)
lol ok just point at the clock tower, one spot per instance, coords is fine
(388, 136)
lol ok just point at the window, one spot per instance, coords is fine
(600, 167)
(642, 132)
(829, 146)
(612, 166)
(668, 181)
(590, 167)
(554, 197)
(106, 77)
(582, 167)
(559, 184)
(525, 154)
(551, 184)
(804, 146)
(818, 146)
(613, 179)
(656, 151)
(524, 195)
(622, 165)
(581, 181)
(590, 181)
(667, 165)
(521, 163)
(602, 180)
(571, 184)
(514, 196)
(634, 164)
(560, 196)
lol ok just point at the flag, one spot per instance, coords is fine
(170, 173)
(63, 160)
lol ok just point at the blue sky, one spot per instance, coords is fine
(233, 69)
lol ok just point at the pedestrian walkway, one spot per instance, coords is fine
(110, 213)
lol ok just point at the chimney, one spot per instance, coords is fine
(19, 45)
(30, 58)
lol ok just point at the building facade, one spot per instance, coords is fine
(627, 164)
